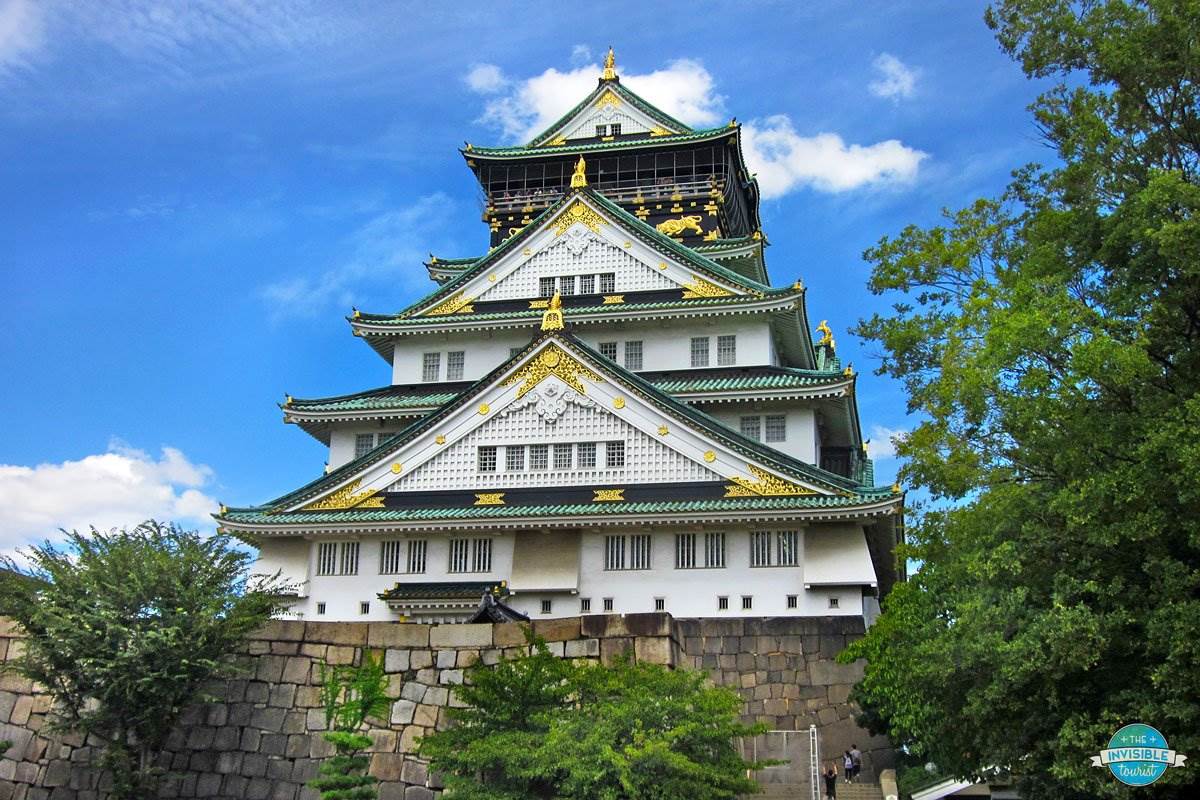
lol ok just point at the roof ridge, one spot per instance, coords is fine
(620, 89)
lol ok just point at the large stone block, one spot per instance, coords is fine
(469, 635)
(827, 673)
(722, 627)
(419, 793)
(402, 711)
(557, 630)
(613, 648)
(605, 625)
(414, 772)
(353, 634)
(396, 660)
(397, 634)
(386, 766)
(297, 669)
(652, 649)
(509, 634)
(583, 648)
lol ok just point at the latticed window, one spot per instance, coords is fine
(616, 129)
(608, 282)
(431, 367)
(562, 456)
(609, 350)
(390, 562)
(327, 558)
(726, 351)
(787, 548)
(587, 455)
(751, 428)
(685, 551)
(760, 549)
(722, 604)
(747, 602)
(608, 604)
(487, 459)
(793, 601)
(699, 351)
(539, 457)
(633, 355)
(514, 458)
(778, 549)
(601, 130)
(481, 555)
(587, 284)
(455, 360)
(614, 556)
(660, 604)
(459, 551)
(348, 561)
(416, 555)
(566, 284)
(547, 606)
(714, 550)
(585, 605)
(363, 444)
(776, 427)
(614, 454)
(639, 551)
(546, 287)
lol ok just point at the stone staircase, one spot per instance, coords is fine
(845, 791)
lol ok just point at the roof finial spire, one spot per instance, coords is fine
(610, 67)
(579, 178)
(552, 317)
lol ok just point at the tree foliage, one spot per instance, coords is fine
(124, 628)
(1048, 339)
(539, 726)
(350, 695)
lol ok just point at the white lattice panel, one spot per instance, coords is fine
(586, 126)
(571, 256)
(647, 459)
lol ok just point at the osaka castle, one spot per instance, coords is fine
(611, 410)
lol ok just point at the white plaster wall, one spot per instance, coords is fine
(341, 440)
(801, 426)
(665, 345)
(288, 557)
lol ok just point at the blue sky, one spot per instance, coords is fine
(192, 197)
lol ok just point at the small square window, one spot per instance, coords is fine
(608, 604)
(514, 458)
(585, 605)
(726, 351)
(587, 284)
(363, 444)
(833, 602)
(547, 605)
(364, 607)
(562, 456)
(699, 351)
(751, 428)
(633, 355)
(539, 457)
(454, 365)
(614, 454)
(546, 287)
(776, 427)
(793, 601)
(487, 459)
(601, 130)
(609, 350)
(608, 282)
(722, 604)
(616, 129)
(431, 367)
(320, 608)
(660, 604)
(566, 285)
(747, 602)
(587, 455)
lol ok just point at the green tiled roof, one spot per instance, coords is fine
(626, 94)
(581, 147)
(440, 590)
(756, 503)
(715, 246)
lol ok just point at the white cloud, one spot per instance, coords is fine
(883, 442)
(784, 160)
(896, 79)
(386, 250)
(581, 54)
(22, 33)
(524, 108)
(486, 79)
(121, 487)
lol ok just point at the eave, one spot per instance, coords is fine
(584, 147)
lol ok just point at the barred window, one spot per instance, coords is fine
(685, 550)
(722, 604)
(776, 427)
(459, 549)
(546, 287)
(633, 355)
(547, 605)
(778, 549)
(327, 558)
(616, 129)
(608, 282)
(348, 562)
(609, 350)
(833, 602)
(660, 604)
(364, 607)
(389, 557)
(320, 608)
(416, 555)
(562, 456)
(587, 455)
(614, 558)
(614, 454)
(639, 551)
(566, 285)
(726, 351)
(714, 550)
(747, 602)
(514, 458)
(487, 459)
(787, 548)
(431, 367)
(363, 444)
(455, 360)
(585, 605)
(760, 549)
(793, 601)
(539, 457)
(481, 555)
(587, 284)
(601, 130)
(699, 351)
(751, 428)
(608, 604)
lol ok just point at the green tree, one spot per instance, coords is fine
(1048, 340)
(539, 726)
(350, 695)
(124, 628)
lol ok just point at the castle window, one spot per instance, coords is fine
(585, 605)
(481, 555)
(714, 550)
(616, 129)
(320, 608)
(546, 287)
(487, 459)
(833, 602)
(562, 456)
(776, 427)
(349, 558)
(587, 455)
(685, 550)
(614, 454)
(470, 555)
(539, 457)
(608, 604)
(614, 556)
(660, 604)
(363, 444)
(514, 458)
(751, 428)
(722, 604)
(778, 549)
(547, 605)
(364, 607)
(566, 285)
(416, 555)
(389, 557)
(608, 282)
(787, 548)
(726, 351)
(633, 355)
(431, 367)
(793, 601)
(639, 551)
(587, 284)
(455, 361)
(609, 350)
(601, 130)
(337, 558)
(699, 351)
(747, 602)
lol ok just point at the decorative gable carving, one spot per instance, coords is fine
(578, 251)
(609, 109)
